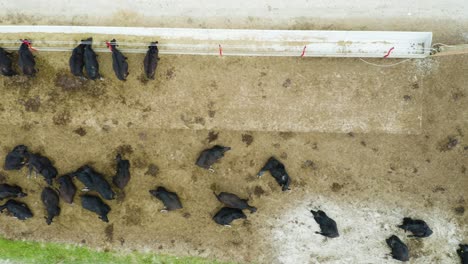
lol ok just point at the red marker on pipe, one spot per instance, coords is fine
(303, 51)
(389, 51)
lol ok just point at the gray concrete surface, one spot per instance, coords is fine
(242, 9)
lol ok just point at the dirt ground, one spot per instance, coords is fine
(368, 145)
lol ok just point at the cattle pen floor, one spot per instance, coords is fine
(368, 145)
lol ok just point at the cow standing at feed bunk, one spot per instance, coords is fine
(119, 61)
(150, 62)
(6, 63)
(90, 61)
(26, 60)
(76, 61)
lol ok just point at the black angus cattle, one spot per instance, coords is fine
(96, 205)
(122, 176)
(150, 62)
(8, 191)
(50, 199)
(209, 156)
(17, 209)
(170, 199)
(90, 61)
(233, 201)
(26, 60)
(399, 249)
(327, 225)
(5, 63)
(17, 158)
(76, 61)
(226, 215)
(463, 253)
(67, 188)
(419, 228)
(278, 171)
(42, 165)
(94, 181)
(119, 61)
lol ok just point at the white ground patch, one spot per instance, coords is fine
(363, 229)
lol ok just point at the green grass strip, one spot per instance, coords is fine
(12, 251)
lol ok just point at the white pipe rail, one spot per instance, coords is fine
(240, 42)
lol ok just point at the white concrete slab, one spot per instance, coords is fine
(276, 9)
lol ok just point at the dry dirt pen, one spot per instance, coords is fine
(368, 145)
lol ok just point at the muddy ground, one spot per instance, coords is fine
(368, 145)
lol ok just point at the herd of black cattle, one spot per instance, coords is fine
(83, 57)
(92, 180)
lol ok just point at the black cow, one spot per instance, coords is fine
(67, 188)
(17, 158)
(8, 191)
(170, 199)
(226, 215)
(42, 165)
(96, 205)
(463, 253)
(50, 199)
(119, 61)
(209, 156)
(278, 171)
(26, 60)
(5, 63)
(419, 228)
(94, 181)
(77, 60)
(327, 225)
(17, 209)
(90, 60)
(122, 176)
(399, 249)
(233, 201)
(151, 60)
